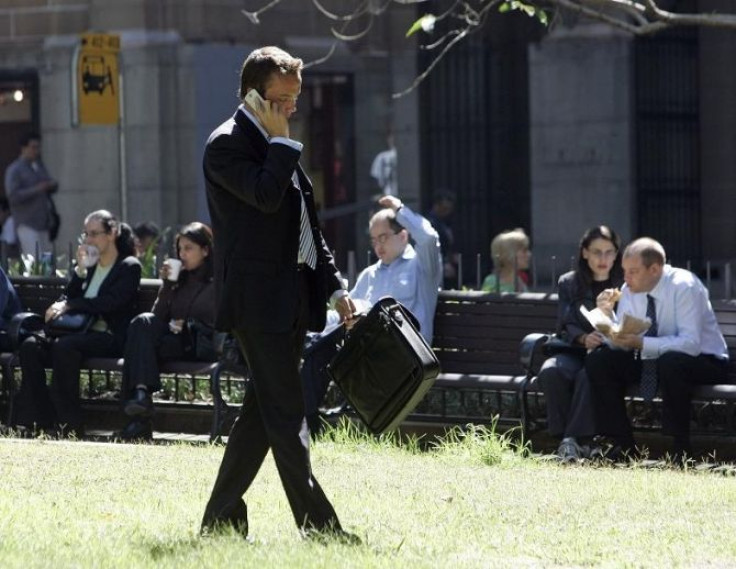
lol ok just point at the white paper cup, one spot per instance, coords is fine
(90, 255)
(174, 269)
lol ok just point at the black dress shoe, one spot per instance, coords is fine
(141, 405)
(136, 430)
(236, 518)
(330, 535)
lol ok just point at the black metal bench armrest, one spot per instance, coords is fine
(22, 326)
(531, 352)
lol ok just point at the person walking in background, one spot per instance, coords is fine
(570, 416)
(510, 255)
(273, 278)
(28, 188)
(181, 321)
(103, 285)
(682, 348)
(443, 205)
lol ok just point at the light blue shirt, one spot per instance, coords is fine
(685, 319)
(413, 278)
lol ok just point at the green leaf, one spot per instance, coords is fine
(425, 23)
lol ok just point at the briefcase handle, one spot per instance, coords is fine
(389, 305)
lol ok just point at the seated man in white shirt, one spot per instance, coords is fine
(410, 274)
(684, 347)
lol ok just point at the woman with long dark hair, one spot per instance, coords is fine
(562, 377)
(103, 284)
(177, 328)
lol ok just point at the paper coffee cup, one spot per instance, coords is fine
(90, 255)
(174, 269)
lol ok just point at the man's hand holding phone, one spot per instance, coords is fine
(269, 114)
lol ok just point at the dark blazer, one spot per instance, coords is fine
(115, 301)
(255, 209)
(571, 296)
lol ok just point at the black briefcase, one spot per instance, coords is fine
(385, 366)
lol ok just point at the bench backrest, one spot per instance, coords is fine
(38, 293)
(480, 333)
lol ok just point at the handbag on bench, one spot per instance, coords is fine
(69, 322)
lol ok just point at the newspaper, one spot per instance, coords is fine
(602, 323)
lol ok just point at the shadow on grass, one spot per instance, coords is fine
(162, 549)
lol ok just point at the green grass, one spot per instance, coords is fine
(473, 501)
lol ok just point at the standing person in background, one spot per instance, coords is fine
(28, 187)
(274, 276)
(570, 416)
(183, 311)
(510, 255)
(439, 216)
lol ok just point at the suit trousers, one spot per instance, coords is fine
(272, 417)
(612, 371)
(567, 396)
(36, 403)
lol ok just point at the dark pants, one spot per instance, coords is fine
(272, 417)
(319, 351)
(567, 397)
(149, 343)
(36, 403)
(612, 371)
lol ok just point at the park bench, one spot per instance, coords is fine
(476, 338)
(490, 347)
(37, 293)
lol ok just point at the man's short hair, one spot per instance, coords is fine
(261, 64)
(25, 140)
(443, 195)
(388, 215)
(146, 229)
(649, 250)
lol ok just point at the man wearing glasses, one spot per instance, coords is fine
(412, 274)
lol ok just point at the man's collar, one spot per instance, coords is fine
(658, 287)
(254, 120)
(408, 253)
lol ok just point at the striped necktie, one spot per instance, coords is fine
(648, 387)
(307, 250)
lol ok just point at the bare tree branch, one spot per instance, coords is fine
(462, 17)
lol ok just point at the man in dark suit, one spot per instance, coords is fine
(274, 276)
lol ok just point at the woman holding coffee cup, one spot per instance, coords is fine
(183, 310)
(104, 284)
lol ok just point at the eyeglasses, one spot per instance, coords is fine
(94, 233)
(382, 238)
(597, 253)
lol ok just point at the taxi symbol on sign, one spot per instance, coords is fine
(96, 75)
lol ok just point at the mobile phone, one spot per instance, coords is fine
(254, 99)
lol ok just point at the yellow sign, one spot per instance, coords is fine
(98, 82)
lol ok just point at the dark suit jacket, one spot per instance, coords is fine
(255, 210)
(115, 301)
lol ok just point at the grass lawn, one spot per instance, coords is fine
(470, 503)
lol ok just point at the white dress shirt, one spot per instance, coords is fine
(685, 319)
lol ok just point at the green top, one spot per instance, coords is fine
(93, 289)
(490, 284)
